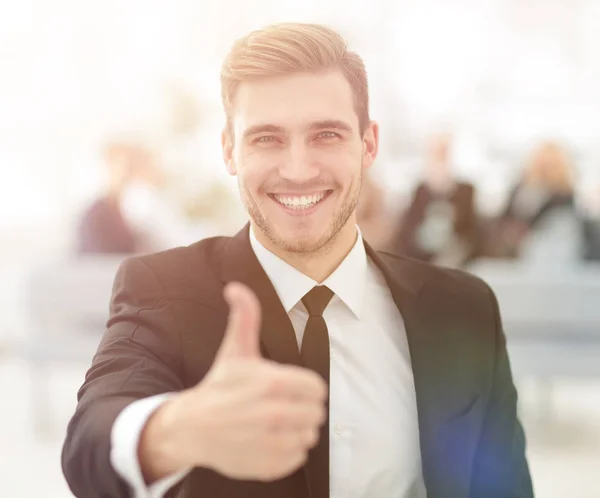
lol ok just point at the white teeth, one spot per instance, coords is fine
(302, 202)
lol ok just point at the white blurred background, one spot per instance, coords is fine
(500, 77)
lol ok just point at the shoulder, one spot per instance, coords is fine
(98, 209)
(190, 272)
(456, 309)
(449, 284)
(465, 190)
(203, 255)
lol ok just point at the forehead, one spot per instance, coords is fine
(294, 100)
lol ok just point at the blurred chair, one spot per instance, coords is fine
(551, 317)
(589, 205)
(590, 235)
(68, 306)
(546, 309)
(556, 241)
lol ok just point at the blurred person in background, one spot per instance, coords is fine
(440, 223)
(226, 363)
(546, 186)
(589, 207)
(372, 217)
(105, 227)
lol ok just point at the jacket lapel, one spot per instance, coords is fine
(405, 289)
(442, 436)
(277, 334)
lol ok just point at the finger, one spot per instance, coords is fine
(293, 439)
(276, 416)
(242, 336)
(294, 382)
(283, 463)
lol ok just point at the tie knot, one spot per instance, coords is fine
(317, 300)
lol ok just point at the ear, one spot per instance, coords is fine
(370, 144)
(227, 145)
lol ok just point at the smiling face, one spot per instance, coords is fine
(298, 153)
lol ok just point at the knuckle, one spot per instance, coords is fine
(322, 389)
(313, 437)
(268, 469)
(322, 415)
(275, 417)
(317, 386)
(284, 444)
(275, 445)
(274, 385)
(316, 416)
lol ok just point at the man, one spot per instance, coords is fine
(113, 224)
(440, 224)
(104, 228)
(292, 360)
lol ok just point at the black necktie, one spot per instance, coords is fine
(315, 355)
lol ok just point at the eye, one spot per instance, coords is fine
(328, 134)
(265, 139)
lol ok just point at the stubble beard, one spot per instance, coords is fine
(300, 247)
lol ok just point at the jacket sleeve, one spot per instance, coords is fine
(500, 468)
(139, 356)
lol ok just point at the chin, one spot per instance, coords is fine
(305, 246)
(299, 234)
(302, 241)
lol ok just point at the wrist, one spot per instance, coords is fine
(159, 453)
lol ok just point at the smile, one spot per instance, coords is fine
(301, 202)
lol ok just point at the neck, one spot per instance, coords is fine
(114, 190)
(318, 264)
(440, 183)
(114, 196)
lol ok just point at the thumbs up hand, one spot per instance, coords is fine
(249, 418)
(242, 337)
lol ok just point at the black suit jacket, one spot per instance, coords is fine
(167, 321)
(103, 229)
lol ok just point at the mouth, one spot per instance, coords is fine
(301, 204)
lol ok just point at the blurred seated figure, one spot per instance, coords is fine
(371, 214)
(545, 187)
(590, 225)
(591, 239)
(440, 224)
(104, 227)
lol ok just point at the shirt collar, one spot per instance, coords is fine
(347, 282)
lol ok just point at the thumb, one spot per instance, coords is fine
(241, 338)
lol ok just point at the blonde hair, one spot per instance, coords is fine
(549, 165)
(288, 48)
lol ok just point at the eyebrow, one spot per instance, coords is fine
(263, 128)
(329, 123)
(316, 125)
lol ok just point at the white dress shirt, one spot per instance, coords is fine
(374, 431)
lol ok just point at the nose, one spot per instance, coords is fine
(298, 166)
